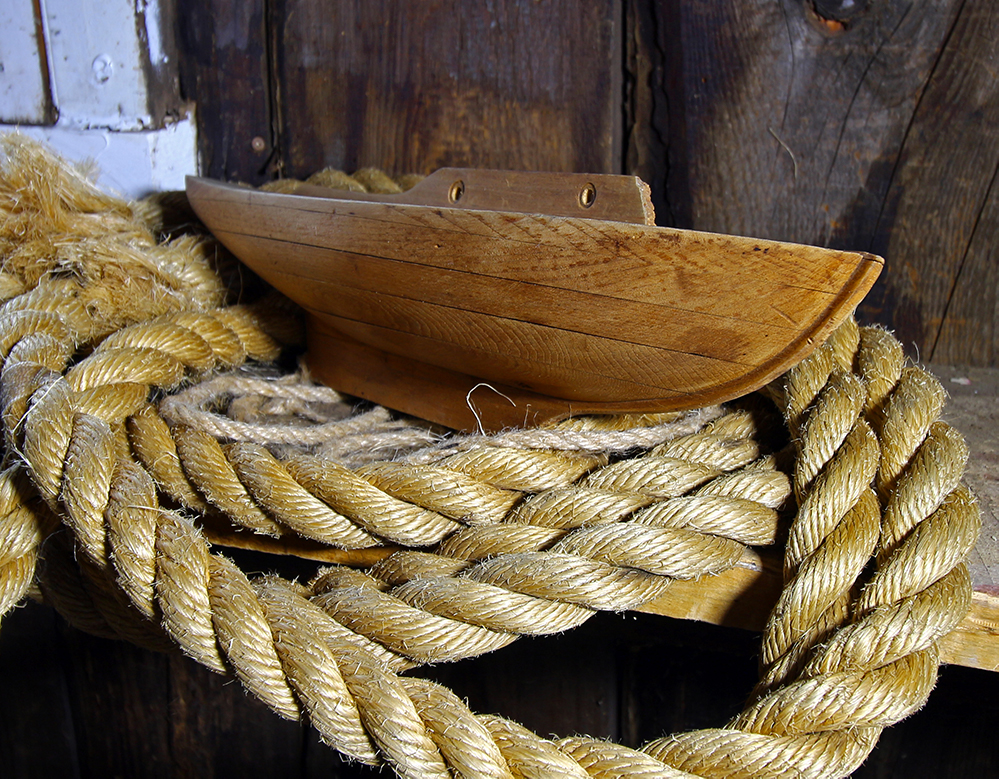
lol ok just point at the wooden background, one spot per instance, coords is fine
(875, 130)
(871, 124)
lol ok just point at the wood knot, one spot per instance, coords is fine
(835, 17)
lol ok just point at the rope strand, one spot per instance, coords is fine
(526, 533)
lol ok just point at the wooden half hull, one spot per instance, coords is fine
(413, 306)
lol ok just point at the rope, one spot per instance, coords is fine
(526, 533)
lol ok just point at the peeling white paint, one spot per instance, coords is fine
(23, 88)
(132, 164)
(96, 57)
(95, 52)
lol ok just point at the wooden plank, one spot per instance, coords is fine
(969, 328)
(37, 735)
(786, 130)
(117, 690)
(112, 63)
(655, 143)
(878, 132)
(130, 164)
(592, 195)
(205, 710)
(940, 224)
(225, 70)
(536, 303)
(25, 94)
(634, 263)
(410, 87)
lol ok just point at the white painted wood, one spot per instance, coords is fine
(24, 88)
(132, 164)
(92, 66)
(98, 58)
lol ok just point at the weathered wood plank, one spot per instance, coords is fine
(655, 141)
(206, 711)
(225, 70)
(940, 223)
(789, 130)
(116, 690)
(969, 330)
(34, 697)
(411, 87)
(25, 93)
(879, 133)
(111, 64)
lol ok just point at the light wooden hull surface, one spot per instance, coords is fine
(557, 314)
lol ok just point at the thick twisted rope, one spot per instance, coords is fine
(521, 536)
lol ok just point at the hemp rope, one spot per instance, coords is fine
(519, 538)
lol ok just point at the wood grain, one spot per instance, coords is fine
(225, 70)
(939, 225)
(411, 87)
(593, 196)
(968, 329)
(788, 132)
(540, 303)
(880, 133)
(890, 124)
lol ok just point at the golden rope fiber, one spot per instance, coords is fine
(331, 651)
(105, 271)
(885, 674)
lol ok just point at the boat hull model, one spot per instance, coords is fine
(484, 299)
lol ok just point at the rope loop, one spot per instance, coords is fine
(140, 417)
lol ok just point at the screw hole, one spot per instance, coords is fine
(457, 190)
(587, 196)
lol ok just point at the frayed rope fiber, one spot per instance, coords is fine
(139, 405)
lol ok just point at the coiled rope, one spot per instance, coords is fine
(116, 348)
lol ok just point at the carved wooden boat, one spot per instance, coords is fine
(489, 299)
